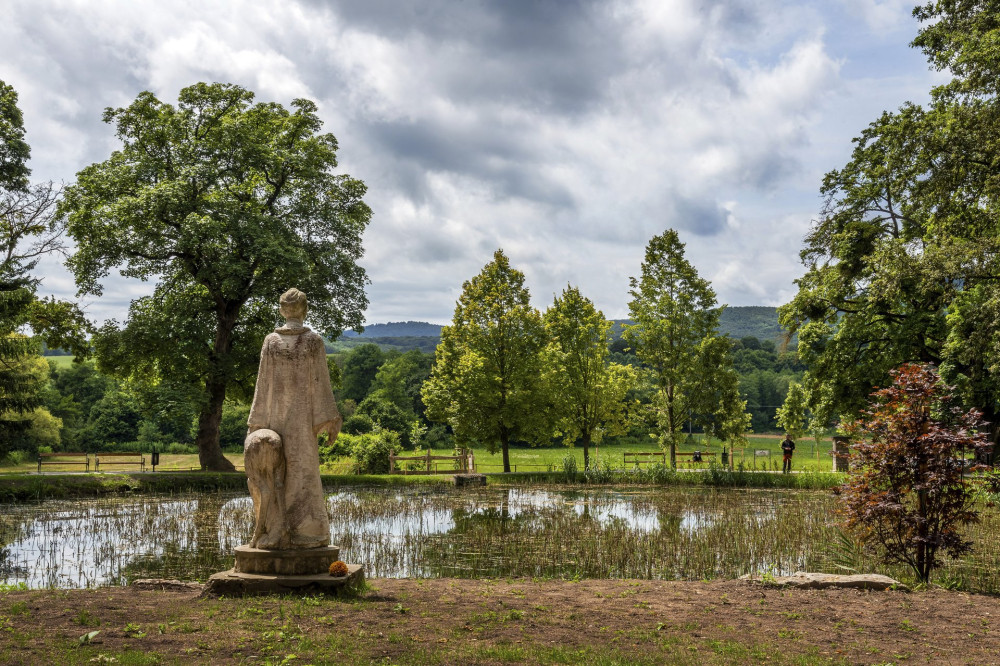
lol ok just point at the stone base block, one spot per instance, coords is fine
(235, 584)
(821, 581)
(285, 562)
(470, 480)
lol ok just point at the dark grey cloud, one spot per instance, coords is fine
(768, 170)
(553, 55)
(438, 248)
(704, 217)
(501, 158)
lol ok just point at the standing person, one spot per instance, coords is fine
(787, 447)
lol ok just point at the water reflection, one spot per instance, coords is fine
(647, 533)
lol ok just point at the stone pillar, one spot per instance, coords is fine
(840, 453)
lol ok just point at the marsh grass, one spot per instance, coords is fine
(677, 533)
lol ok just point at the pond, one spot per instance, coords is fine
(667, 533)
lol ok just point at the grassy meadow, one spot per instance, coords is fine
(808, 457)
(60, 361)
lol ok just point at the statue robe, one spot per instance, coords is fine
(294, 398)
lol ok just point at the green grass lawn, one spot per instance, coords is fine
(60, 361)
(168, 463)
(808, 456)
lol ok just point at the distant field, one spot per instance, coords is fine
(60, 361)
(168, 462)
(807, 457)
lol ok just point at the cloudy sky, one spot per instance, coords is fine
(566, 132)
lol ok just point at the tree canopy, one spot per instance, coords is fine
(588, 392)
(675, 317)
(902, 264)
(485, 381)
(27, 232)
(225, 204)
(14, 150)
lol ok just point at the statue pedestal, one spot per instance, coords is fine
(260, 571)
(285, 562)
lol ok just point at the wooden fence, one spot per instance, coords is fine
(463, 463)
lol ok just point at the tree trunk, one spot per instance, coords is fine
(923, 562)
(506, 455)
(670, 427)
(209, 452)
(586, 451)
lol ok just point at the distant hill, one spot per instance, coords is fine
(759, 321)
(398, 329)
(737, 321)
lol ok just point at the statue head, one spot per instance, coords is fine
(293, 304)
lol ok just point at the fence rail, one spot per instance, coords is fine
(550, 467)
(463, 463)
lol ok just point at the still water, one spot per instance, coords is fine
(673, 533)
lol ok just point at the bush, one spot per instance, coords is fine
(342, 446)
(359, 424)
(15, 458)
(371, 451)
(906, 498)
(436, 437)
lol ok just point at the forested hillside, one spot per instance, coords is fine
(759, 321)
(396, 329)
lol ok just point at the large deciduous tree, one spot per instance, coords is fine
(225, 203)
(360, 368)
(904, 261)
(714, 402)
(588, 392)
(28, 231)
(485, 381)
(906, 497)
(675, 317)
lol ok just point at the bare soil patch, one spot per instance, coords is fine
(506, 621)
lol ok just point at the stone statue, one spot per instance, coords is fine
(292, 403)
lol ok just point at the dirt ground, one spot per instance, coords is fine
(505, 621)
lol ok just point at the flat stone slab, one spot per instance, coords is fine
(469, 480)
(285, 562)
(822, 581)
(166, 584)
(235, 584)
